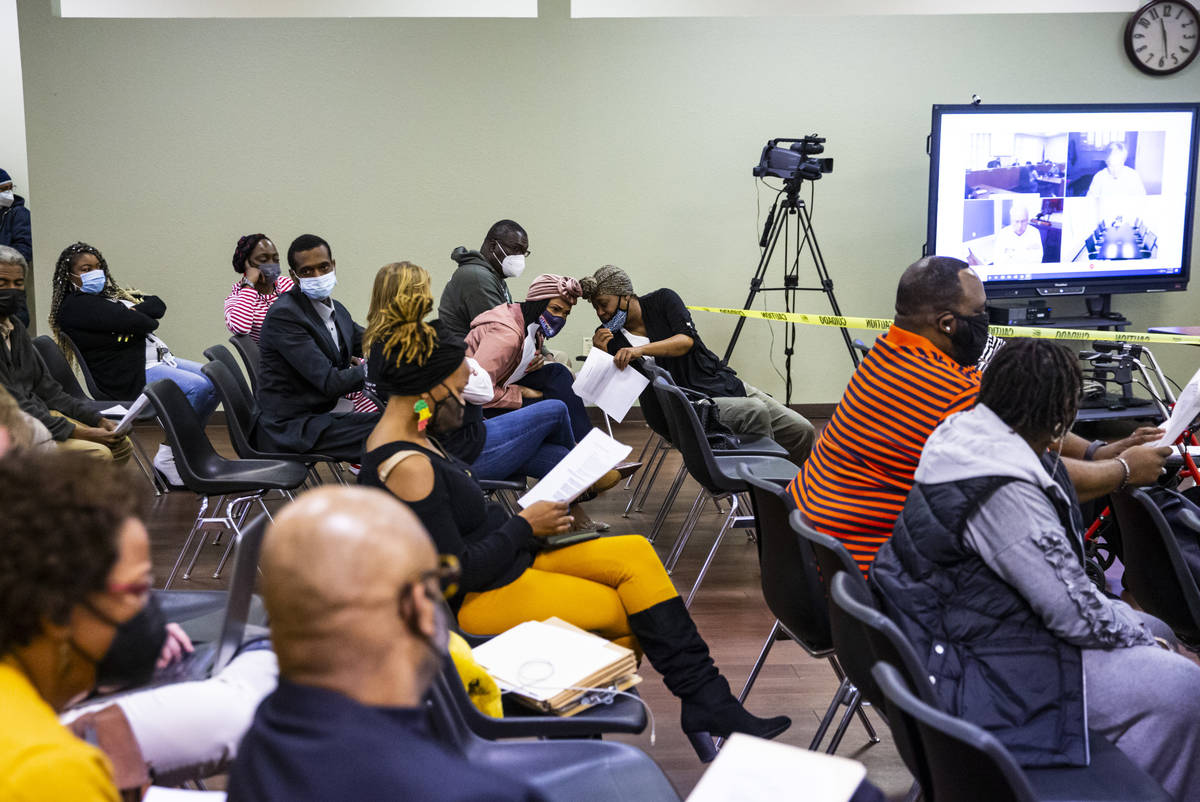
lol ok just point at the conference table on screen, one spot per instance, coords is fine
(1119, 242)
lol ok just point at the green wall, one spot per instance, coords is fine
(613, 141)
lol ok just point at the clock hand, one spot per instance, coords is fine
(1162, 23)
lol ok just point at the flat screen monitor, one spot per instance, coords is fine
(1052, 200)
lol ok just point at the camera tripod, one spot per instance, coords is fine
(787, 203)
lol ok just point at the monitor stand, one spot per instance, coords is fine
(1035, 313)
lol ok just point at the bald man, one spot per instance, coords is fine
(350, 581)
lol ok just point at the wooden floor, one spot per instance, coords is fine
(729, 612)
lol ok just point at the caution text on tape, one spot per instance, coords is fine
(883, 324)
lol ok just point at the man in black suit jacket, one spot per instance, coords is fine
(311, 356)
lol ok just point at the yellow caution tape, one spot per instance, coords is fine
(883, 324)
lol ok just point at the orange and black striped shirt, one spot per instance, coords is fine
(858, 477)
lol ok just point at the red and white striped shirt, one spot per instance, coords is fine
(245, 308)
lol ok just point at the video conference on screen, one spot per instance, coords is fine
(1043, 195)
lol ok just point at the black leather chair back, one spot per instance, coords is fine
(195, 458)
(57, 366)
(248, 349)
(688, 436)
(1156, 573)
(962, 760)
(831, 554)
(791, 584)
(87, 374)
(219, 353)
(239, 412)
(863, 636)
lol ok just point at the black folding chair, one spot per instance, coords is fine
(561, 770)
(1156, 572)
(717, 476)
(207, 474)
(239, 414)
(963, 761)
(247, 348)
(792, 589)
(58, 368)
(219, 353)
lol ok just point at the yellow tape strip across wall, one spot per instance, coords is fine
(883, 324)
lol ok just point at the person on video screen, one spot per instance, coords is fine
(1018, 242)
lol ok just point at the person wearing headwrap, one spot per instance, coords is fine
(613, 586)
(658, 327)
(507, 342)
(259, 284)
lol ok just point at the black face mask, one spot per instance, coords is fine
(134, 650)
(447, 415)
(969, 338)
(11, 302)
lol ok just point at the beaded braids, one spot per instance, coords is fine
(62, 286)
(242, 252)
(401, 298)
(1033, 386)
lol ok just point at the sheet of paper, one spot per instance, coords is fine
(1187, 407)
(540, 660)
(600, 382)
(125, 426)
(156, 793)
(117, 410)
(590, 459)
(754, 768)
(528, 351)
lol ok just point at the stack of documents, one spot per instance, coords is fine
(551, 665)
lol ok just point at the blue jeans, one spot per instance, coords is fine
(554, 381)
(528, 441)
(195, 385)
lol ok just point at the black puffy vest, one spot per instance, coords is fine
(991, 659)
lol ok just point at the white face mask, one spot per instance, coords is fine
(6, 198)
(511, 266)
(479, 387)
(319, 287)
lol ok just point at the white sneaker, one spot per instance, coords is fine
(164, 463)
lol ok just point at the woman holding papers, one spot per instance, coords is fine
(528, 441)
(613, 586)
(507, 342)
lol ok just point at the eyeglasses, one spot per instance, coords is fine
(516, 251)
(447, 574)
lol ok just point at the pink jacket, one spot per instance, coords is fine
(495, 341)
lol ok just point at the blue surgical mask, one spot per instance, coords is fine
(93, 282)
(319, 287)
(551, 324)
(619, 318)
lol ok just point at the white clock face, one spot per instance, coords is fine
(1163, 36)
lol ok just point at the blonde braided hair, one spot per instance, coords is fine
(401, 298)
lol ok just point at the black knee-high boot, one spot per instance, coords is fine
(671, 643)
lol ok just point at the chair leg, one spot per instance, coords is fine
(733, 508)
(758, 664)
(851, 698)
(685, 531)
(147, 466)
(668, 503)
(827, 719)
(649, 478)
(200, 521)
(183, 551)
(652, 439)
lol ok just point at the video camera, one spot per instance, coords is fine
(794, 163)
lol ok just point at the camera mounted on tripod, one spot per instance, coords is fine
(795, 163)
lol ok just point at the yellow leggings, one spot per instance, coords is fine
(595, 585)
